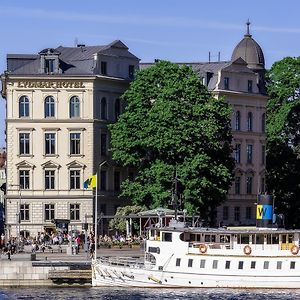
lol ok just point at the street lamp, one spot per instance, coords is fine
(96, 206)
(18, 217)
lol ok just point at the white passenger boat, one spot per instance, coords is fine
(181, 256)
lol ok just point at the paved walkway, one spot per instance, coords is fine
(81, 256)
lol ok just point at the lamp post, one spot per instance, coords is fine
(18, 217)
(96, 206)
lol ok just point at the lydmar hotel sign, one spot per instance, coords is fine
(51, 84)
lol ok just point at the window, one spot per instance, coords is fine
(215, 264)
(241, 265)
(117, 109)
(249, 180)
(75, 179)
(263, 154)
(131, 71)
(202, 263)
(248, 213)
(24, 179)
(49, 106)
(237, 185)
(103, 67)
(225, 213)
(190, 263)
(237, 213)
(74, 212)
(263, 122)
(226, 83)
(250, 86)
(103, 180)
(292, 265)
(103, 109)
(237, 120)
(178, 260)
(117, 181)
(49, 212)
(24, 212)
(49, 65)
(250, 121)
(237, 153)
(266, 265)
(49, 143)
(279, 265)
(74, 143)
(253, 264)
(227, 264)
(74, 107)
(49, 179)
(249, 153)
(103, 144)
(24, 140)
(23, 107)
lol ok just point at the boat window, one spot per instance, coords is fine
(266, 265)
(241, 265)
(243, 239)
(284, 238)
(259, 239)
(227, 264)
(279, 265)
(210, 238)
(202, 263)
(215, 264)
(292, 265)
(195, 237)
(190, 263)
(224, 238)
(253, 264)
(178, 260)
(291, 238)
(154, 250)
(275, 239)
(167, 237)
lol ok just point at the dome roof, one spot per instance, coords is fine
(249, 50)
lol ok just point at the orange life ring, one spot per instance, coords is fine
(202, 248)
(294, 249)
(247, 250)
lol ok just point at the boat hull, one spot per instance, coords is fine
(105, 275)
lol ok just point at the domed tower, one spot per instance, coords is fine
(250, 51)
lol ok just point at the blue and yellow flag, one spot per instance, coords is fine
(91, 182)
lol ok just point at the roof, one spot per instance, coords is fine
(72, 60)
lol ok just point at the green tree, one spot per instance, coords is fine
(173, 125)
(119, 224)
(283, 137)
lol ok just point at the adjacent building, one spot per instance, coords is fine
(59, 103)
(2, 188)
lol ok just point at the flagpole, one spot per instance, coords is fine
(96, 217)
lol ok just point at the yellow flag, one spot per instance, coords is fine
(91, 182)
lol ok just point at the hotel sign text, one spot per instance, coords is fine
(51, 84)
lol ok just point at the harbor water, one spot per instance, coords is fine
(58, 293)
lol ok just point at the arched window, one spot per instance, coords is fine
(250, 121)
(49, 105)
(74, 107)
(237, 120)
(103, 109)
(117, 109)
(23, 107)
(263, 122)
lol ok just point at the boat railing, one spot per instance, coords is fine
(211, 245)
(129, 262)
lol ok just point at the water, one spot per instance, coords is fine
(84, 293)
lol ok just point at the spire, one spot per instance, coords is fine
(248, 29)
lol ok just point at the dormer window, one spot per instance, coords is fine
(250, 86)
(131, 71)
(226, 83)
(49, 65)
(103, 67)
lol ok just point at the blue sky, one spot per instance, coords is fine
(176, 30)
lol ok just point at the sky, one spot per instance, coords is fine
(175, 30)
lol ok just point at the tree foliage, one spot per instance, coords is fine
(173, 125)
(119, 224)
(283, 137)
